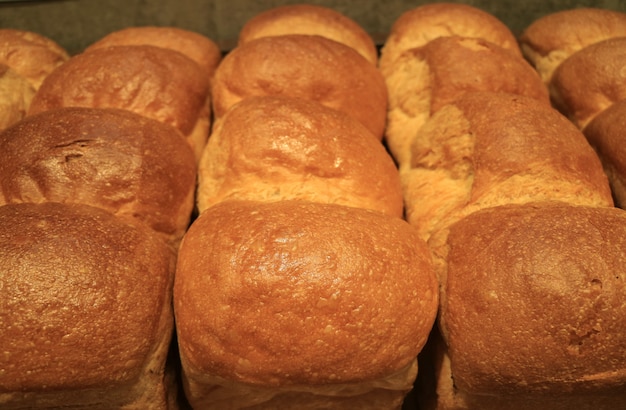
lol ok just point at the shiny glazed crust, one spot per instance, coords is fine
(272, 148)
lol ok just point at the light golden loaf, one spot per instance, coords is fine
(16, 93)
(607, 134)
(297, 304)
(313, 20)
(424, 23)
(422, 80)
(590, 80)
(303, 66)
(31, 55)
(272, 148)
(86, 317)
(550, 39)
(155, 82)
(132, 166)
(550, 278)
(488, 149)
(196, 46)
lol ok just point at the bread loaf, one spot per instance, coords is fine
(550, 278)
(606, 133)
(196, 46)
(155, 82)
(422, 80)
(132, 166)
(296, 304)
(313, 20)
(31, 55)
(487, 149)
(272, 148)
(419, 25)
(85, 313)
(16, 93)
(552, 38)
(304, 66)
(590, 80)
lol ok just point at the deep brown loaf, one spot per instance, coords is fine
(317, 302)
(272, 148)
(550, 277)
(86, 310)
(129, 165)
(313, 20)
(158, 83)
(304, 66)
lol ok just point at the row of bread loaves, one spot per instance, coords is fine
(97, 189)
(299, 285)
(518, 214)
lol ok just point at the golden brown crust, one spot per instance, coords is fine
(196, 46)
(550, 278)
(606, 133)
(301, 294)
(127, 164)
(418, 26)
(550, 39)
(151, 81)
(86, 315)
(590, 80)
(16, 93)
(31, 55)
(272, 148)
(313, 20)
(304, 66)
(489, 149)
(422, 80)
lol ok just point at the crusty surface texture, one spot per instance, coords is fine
(590, 80)
(196, 46)
(550, 278)
(127, 164)
(550, 39)
(488, 149)
(607, 134)
(303, 66)
(310, 19)
(16, 93)
(155, 82)
(423, 79)
(85, 311)
(30, 54)
(417, 26)
(300, 296)
(271, 148)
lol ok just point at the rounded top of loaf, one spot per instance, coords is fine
(550, 278)
(272, 148)
(155, 82)
(196, 46)
(310, 19)
(83, 296)
(299, 293)
(130, 165)
(304, 66)
(31, 55)
(590, 80)
(550, 39)
(424, 23)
